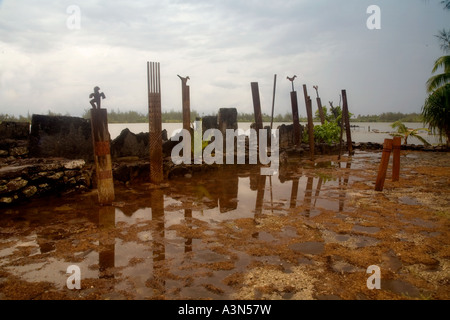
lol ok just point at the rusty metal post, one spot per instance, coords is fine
(387, 149)
(155, 122)
(102, 156)
(397, 144)
(310, 126)
(346, 118)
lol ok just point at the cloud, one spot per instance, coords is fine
(222, 46)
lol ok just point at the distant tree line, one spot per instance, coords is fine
(117, 116)
(390, 117)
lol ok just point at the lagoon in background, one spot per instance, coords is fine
(360, 133)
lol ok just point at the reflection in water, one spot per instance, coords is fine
(319, 186)
(159, 250)
(343, 188)
(228, 192)
(188, 218)
(106, 222)
(294, 192)
(261, 186)
(157, 204)
(207, 197)
(146, 248)
(308, 195)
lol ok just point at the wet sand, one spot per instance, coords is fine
(310, 232)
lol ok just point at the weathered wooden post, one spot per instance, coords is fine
(295, 114)
(273, 99)
(319, 106)
(346, 118)
(397, 144)
(102, 153)
(257, 107)
(185, 93)
(155, 122)
(387, 149)
(227, 119)
(310, 126)
(305, 93)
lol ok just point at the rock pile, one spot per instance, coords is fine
(38, 176)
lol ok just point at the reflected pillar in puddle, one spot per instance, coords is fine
(343, 188)
(294, 192)
(308, 195)
(261, 186)
(157, 203)
(159, 249)
(318, 188)
(228, 191)
(106, 259)
(260, 195)
(188, 218)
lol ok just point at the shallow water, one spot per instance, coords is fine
(201, 236)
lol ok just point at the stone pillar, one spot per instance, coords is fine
(102, 156)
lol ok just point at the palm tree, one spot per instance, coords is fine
(439, 80)
(444, 38)
(405, 133)
(436, 110)
(446, 4)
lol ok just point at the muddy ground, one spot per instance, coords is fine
(310, 232)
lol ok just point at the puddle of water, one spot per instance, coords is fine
(363, 229)
(313, 248)
(349, 241)
(400, 287)
(156, 242)
(409, 201)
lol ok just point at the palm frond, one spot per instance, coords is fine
(437, 81)
(443, 61)
(425, 142)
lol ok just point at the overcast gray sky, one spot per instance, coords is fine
(223, 46)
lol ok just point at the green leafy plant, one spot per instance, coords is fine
(405, 132)
(329, 133)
